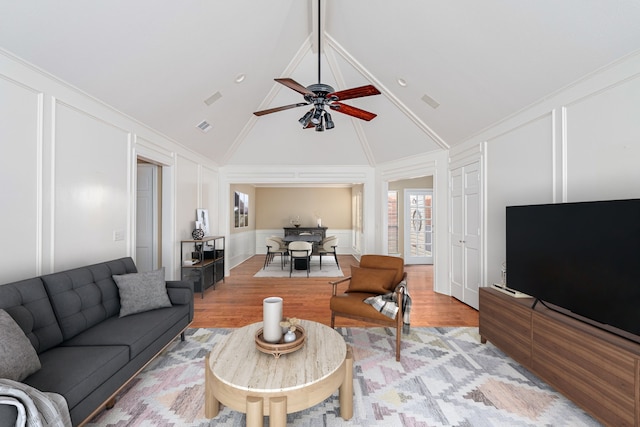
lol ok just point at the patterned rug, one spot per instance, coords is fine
(329, 269)
(445, 378)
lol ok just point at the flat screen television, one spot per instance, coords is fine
(580, 258)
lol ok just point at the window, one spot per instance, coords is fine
(392, 214)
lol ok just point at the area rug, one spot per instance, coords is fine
(329, 269)
(445, 378)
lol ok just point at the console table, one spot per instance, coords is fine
(598, 370)
(209, 268)
(315, 231)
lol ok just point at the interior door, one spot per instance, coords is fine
(418, 226)
(147, 218)
(465, 233)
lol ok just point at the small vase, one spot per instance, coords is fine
(290, 336)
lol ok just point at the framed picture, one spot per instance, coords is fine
(202, 217)
(241, 209)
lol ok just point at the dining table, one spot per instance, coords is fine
(314, 239)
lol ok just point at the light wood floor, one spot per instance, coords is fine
(238, 301)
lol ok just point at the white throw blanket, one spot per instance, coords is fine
(387, 304)
(35, 408)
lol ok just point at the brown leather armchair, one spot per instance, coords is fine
(377, 275)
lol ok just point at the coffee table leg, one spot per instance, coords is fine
(278, 411)
(211, 404)
(346, 389)
(254, 411)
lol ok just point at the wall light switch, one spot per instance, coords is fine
(118, 235)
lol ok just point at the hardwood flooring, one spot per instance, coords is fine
(238, 301)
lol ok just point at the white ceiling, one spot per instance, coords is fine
(158, 60)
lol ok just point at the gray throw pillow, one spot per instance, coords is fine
(18, 358)
(142, 292)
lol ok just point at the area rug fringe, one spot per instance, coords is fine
(445, 378)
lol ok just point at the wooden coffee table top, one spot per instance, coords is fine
(238, 363)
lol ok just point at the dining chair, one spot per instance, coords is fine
(329, 246)
(299, 251)
(274, 248)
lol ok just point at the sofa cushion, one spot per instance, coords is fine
(75, 372)
(136, 331)
(28, 304)
(372, 280)
(18, 358)
(84, 297)
(142, 292)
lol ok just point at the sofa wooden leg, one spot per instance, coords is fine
(111, 403)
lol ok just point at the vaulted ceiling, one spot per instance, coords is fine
(446, 69)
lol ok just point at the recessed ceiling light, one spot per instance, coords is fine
(240, 78)
(402, 82)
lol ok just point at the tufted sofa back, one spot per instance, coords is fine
(85, 296)
(28, 304)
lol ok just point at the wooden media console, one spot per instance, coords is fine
(598, 370)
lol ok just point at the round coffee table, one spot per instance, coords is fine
(241, 377)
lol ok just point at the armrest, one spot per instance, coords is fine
(336, 283)
(180, 293)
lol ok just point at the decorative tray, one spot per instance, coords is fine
(281, 347)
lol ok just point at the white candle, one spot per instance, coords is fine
(271, 318)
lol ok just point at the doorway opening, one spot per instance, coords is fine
(410, 219)
(148, 216)
(418, 228)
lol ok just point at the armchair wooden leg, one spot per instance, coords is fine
(333, 320)
(398, 334)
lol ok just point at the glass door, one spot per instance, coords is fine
(418, 226)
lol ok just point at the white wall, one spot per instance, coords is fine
(582, 143)
(67, 173)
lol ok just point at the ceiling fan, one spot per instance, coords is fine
(321, 96)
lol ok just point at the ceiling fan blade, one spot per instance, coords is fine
(352, 111)
(356, 92)
(292, 84)
(275, 110)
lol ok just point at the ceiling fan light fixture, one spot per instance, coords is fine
(304, 120)
(328, 121)
(320, 126)
(317, 117)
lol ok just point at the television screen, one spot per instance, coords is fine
(582, 257)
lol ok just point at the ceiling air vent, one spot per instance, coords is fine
(213, 98)
(430, 101)
(204, 126)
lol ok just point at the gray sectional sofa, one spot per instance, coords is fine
(86, 348)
